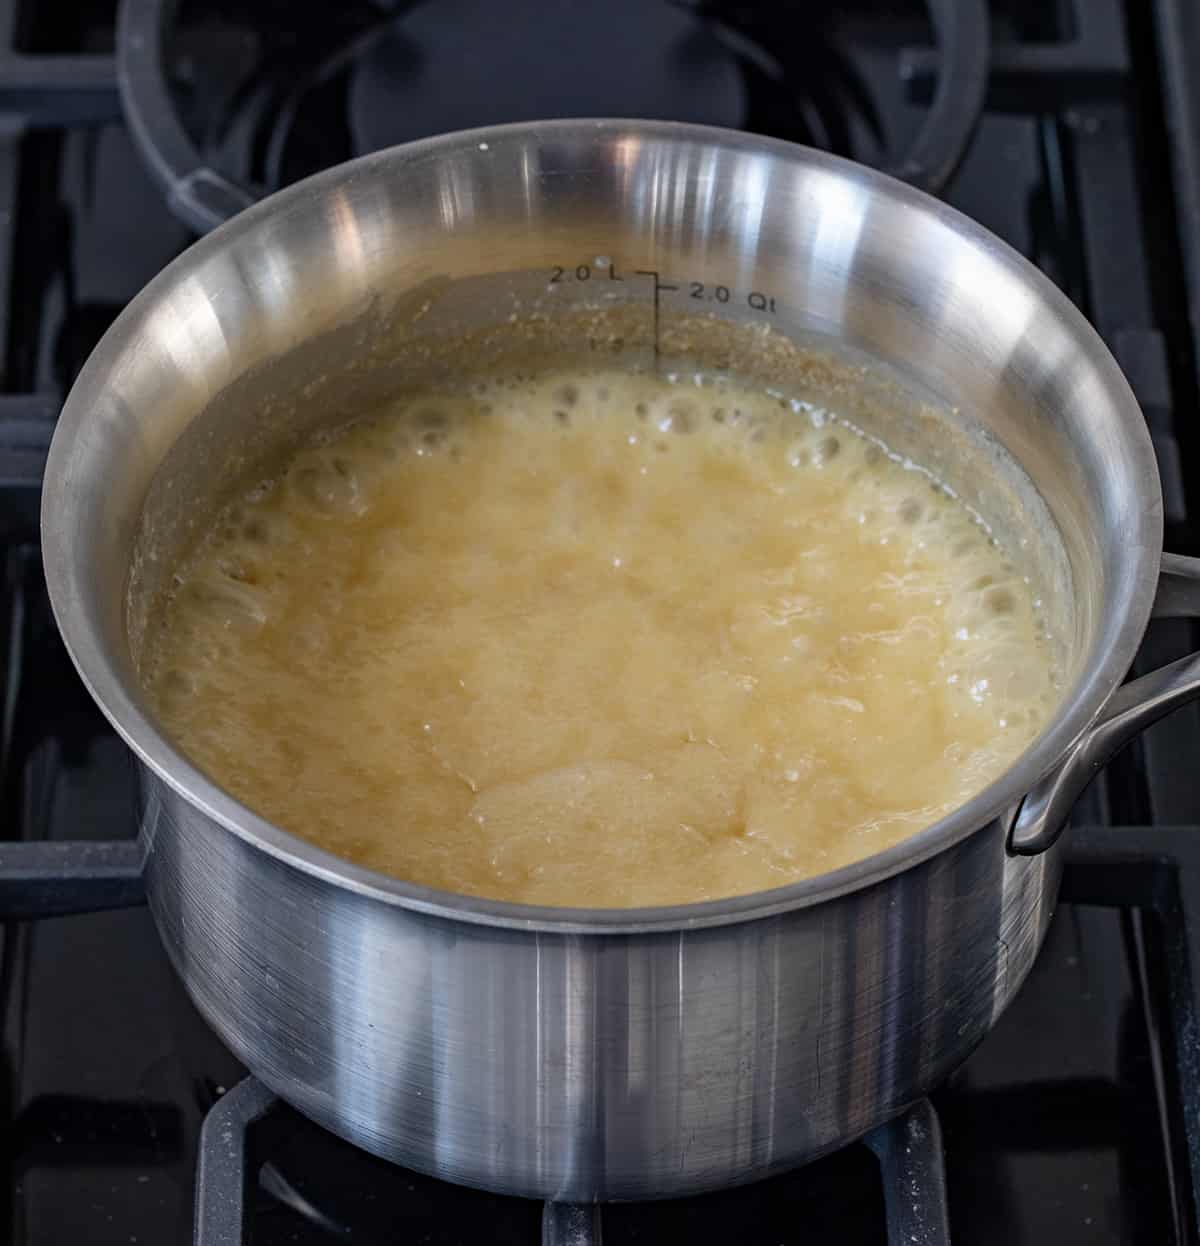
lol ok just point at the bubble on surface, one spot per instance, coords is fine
(226, 603)
(680, 417)
(322, 486)
(826, 450)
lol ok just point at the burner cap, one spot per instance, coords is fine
(458, 64)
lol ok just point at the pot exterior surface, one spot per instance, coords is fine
(578, 1066)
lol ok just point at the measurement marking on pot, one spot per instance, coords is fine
(585, 272)
(604, 269)
(659, 287)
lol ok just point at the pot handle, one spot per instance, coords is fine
(1039, 819)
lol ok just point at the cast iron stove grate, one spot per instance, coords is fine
(382, 69)
(1070, 161)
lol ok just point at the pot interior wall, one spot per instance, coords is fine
(248, 429)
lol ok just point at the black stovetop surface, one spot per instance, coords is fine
(1075, 1121)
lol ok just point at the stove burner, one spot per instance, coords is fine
(908, 1150)
(299, 101)
(453, 64)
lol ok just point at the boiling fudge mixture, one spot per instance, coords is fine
(600, 639)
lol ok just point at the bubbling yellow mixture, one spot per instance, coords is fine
(600, 639)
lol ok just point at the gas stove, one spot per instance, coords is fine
(1071, 129)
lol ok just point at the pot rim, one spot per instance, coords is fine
(1077, 711)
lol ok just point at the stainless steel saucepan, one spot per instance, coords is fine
(579, 1054)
